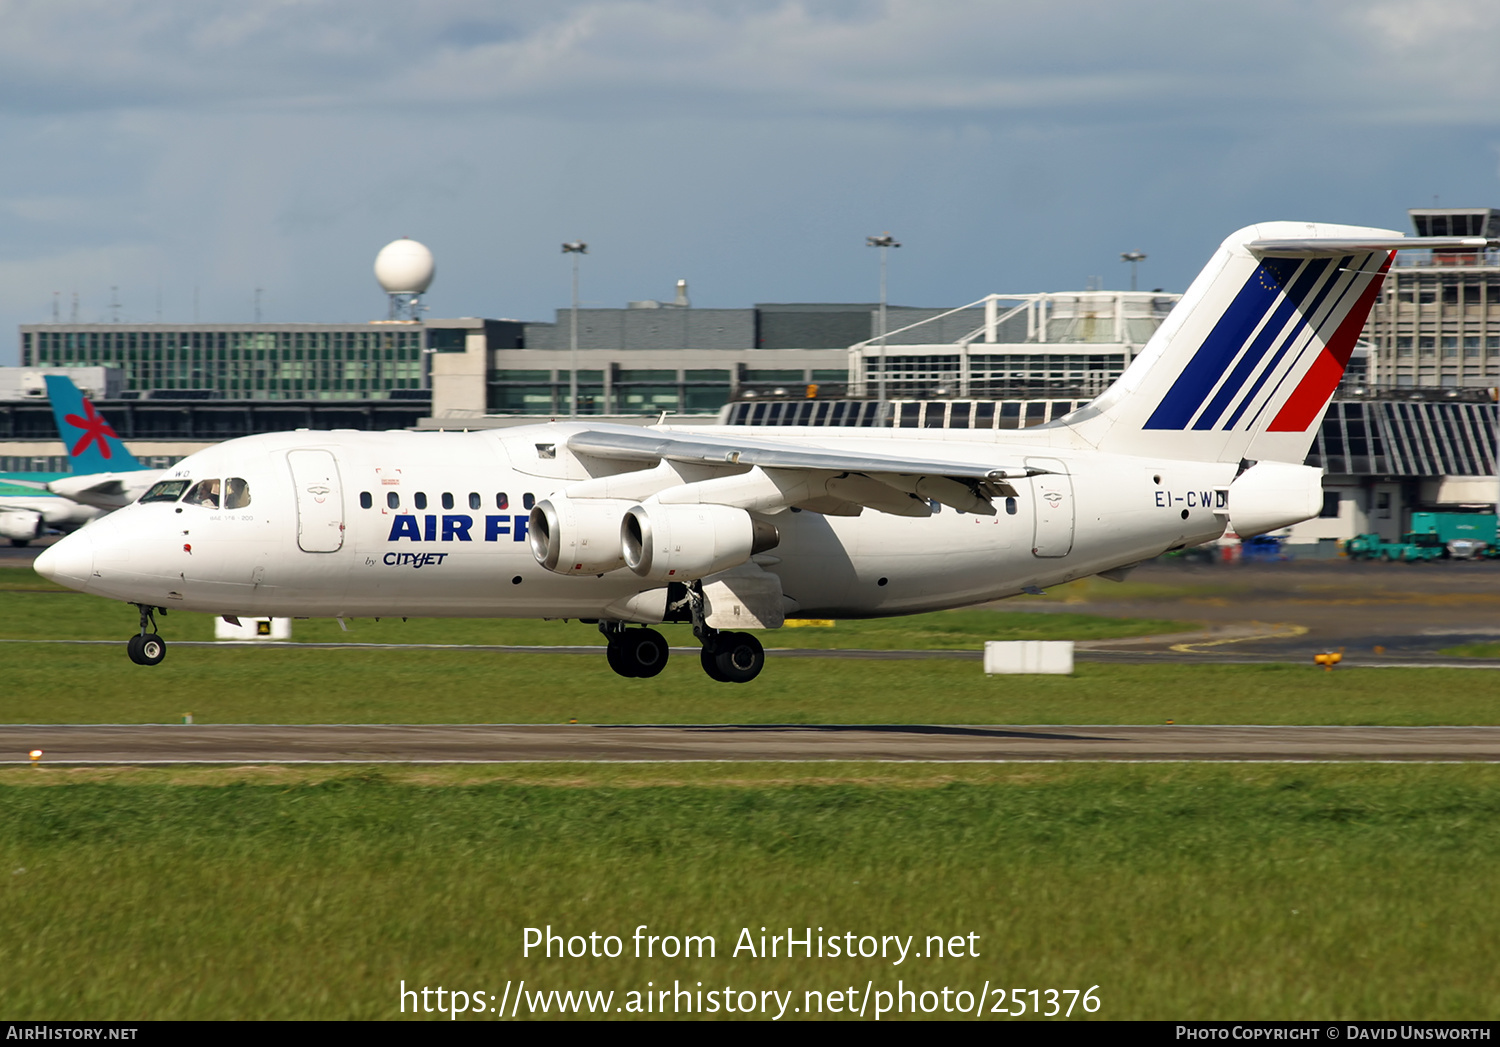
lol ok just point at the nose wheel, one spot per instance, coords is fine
(147, 648)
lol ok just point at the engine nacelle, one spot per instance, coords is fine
(1272, 495)
(21, 525)
(680, 543)
(577, 536)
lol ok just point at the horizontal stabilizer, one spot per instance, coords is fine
(1334, 246)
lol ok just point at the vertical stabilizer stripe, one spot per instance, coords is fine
(1318, 324)
(1273, 331)
(1307, 401)
(1223, 343)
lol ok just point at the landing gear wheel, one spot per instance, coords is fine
(618, 659)
(710, 660)
(639, 653)
(648, 651)
(738, 657)
(147, 649)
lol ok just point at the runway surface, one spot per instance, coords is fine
(496, 743)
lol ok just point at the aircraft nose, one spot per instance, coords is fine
(69, 562)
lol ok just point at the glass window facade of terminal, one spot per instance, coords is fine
(624, 390)
(1437, 323)
(998, 374)
(264, 362)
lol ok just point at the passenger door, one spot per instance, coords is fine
(320, 501)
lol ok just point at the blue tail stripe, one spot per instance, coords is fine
(1301, 288)
(1330, 323)
(1308, 313)
(1197, 379)
(1232, 385)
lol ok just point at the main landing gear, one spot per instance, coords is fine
(727, 657)
(146, 648)
(732, 657)
(634, 652)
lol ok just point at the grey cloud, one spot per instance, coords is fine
(586, 58)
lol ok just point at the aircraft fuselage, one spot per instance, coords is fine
(435, 524)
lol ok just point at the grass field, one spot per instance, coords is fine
(1181, 892)
(33, 608)
(60, 683)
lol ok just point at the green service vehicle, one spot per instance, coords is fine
(1412, 548)
(1466, 536)
(1433, 536)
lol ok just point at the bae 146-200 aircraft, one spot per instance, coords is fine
(734, 530)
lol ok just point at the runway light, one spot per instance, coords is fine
(36, 756)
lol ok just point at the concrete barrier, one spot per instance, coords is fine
(1028, 656)
(253, 629)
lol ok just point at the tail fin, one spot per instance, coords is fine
(1246, 363)
(92, 444)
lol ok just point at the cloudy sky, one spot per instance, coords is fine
(194, 152)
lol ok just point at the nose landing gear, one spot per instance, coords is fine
(147, 648)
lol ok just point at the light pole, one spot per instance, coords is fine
(1132, 257)
(574, 248)
(885, 241)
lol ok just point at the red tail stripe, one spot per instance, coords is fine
(1311, 396)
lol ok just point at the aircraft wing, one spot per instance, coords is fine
(828, 481)
(36, 485)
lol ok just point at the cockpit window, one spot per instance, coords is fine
(205, 493)
(165, 491)
(236, 493)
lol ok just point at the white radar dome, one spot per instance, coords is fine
(404, 267)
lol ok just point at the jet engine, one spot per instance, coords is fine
(1272, 495)
(21, 525)
(680, 543)
(577, 536)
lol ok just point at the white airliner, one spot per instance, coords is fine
(733, 529)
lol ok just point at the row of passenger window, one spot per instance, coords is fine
(419, 500)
